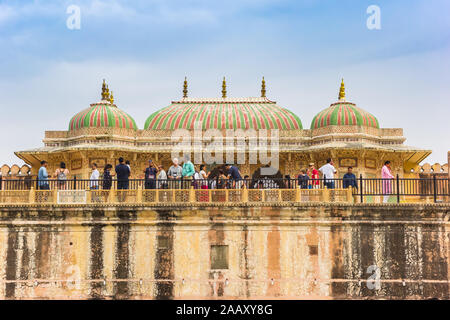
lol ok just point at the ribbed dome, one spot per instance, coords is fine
(102, 114)
(344, 113)
(225, 113)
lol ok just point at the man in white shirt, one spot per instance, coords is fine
(162, 177)
(328, 172)
(95, 176)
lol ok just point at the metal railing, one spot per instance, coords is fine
(437, 188)
(225, 190)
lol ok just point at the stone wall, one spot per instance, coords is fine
(300, 251)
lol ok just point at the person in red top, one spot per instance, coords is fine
(314, 175)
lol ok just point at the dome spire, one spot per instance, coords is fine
(104, 94)
(185, 88)
(107, 93)
(263, 88)
(342, 91)
(224, 88)
(111, 98)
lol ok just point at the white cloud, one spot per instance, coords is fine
(99, 8)
(175, 12)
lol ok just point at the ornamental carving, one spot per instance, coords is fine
(370, 163)
(101, 162)
(76, 164)
(348, 162)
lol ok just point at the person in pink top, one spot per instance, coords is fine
(387, 177)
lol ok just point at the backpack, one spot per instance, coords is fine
(62, 175)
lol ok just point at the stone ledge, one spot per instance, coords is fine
(195, 205)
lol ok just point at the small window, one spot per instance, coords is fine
(313, 250)
(163, 242)
(219, 257)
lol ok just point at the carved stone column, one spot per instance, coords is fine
(245, 169)
(290, 165)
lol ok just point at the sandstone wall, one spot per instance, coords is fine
(310, 251)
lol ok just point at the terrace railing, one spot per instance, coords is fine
(81, 191)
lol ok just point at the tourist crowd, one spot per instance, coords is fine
(188, 175)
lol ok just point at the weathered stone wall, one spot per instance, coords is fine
(308, 251)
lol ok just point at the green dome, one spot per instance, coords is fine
(102, 114)
(344, 113)
(225, 113)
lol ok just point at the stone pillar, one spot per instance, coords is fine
(245, 169)
(85, 166)
(35, 168)
(4, 172)
(112, 194)
(139, 194)
(192, 195)
(350, 194)
(325, 195)
(244, 194)
(448, 163)
(290, 165)
(32, 197)
(55, 196)
(88, 195)
(298, 195)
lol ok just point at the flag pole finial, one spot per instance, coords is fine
(342, 91)
(224, 88)
(185, 88)
(263, 88)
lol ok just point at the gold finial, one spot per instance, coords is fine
(107, 93)
(185, 88)
(342, 91)
(224, 88)
(104, 90)
(263, 88)
(111, 98)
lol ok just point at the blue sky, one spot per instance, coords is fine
(144, 49)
